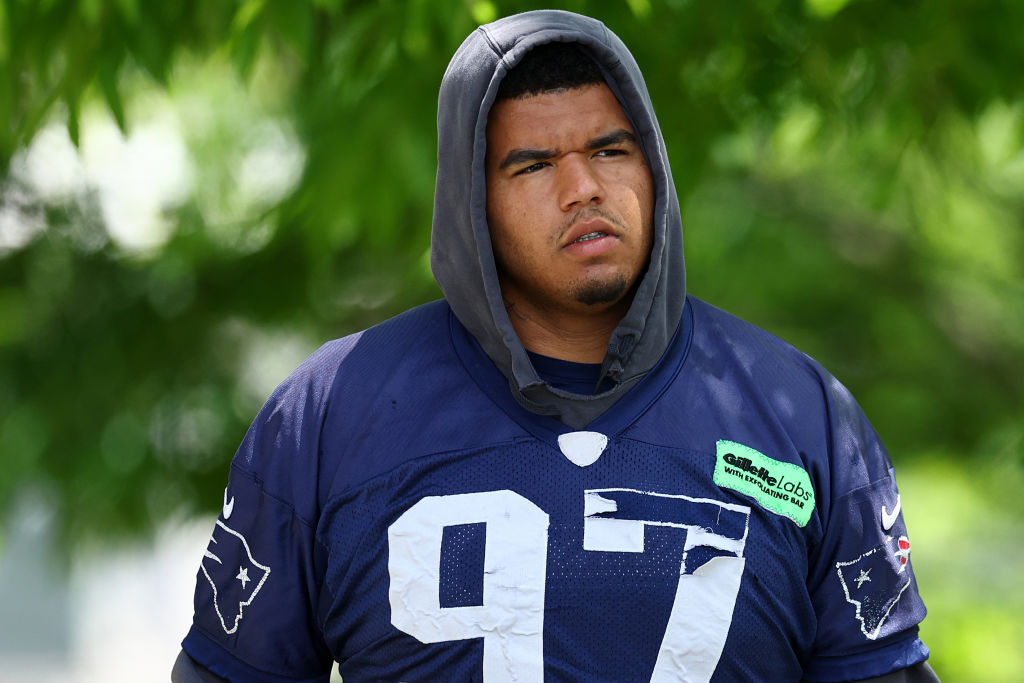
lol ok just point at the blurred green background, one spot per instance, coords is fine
(194, 195)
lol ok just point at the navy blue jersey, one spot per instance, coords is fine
(394, 509)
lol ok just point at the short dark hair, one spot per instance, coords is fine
(550, 68)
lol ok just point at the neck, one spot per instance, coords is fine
(580, 338)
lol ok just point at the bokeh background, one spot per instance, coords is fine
(194, 195)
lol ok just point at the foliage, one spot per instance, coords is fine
(851, 177)
(253, 178)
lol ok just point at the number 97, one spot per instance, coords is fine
(511, 618)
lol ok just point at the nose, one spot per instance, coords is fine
(578, 184)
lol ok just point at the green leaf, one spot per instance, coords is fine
(108, 81)
(246, 14)
(74, 110)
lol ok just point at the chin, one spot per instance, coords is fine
(600, 292)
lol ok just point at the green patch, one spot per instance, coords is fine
(782, 487)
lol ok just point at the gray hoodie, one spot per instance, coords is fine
(461, 256)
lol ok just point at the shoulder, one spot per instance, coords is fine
(335, 386)
(716, 329)
(724, 343)
(743, 366)
(416, 328)
(744, 363)
(364, 355)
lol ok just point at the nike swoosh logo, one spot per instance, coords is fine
(229, 506)
(889, 518)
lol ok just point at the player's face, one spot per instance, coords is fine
(569, 200)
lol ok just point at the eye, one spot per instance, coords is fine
(532, 168)
(609, 152)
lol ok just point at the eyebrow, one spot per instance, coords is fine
(524, 155)
(614, 138)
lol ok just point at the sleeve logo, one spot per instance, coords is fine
(780, 487)
(889, 518)
(234, 575)
(874, 582)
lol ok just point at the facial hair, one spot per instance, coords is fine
(600, 292)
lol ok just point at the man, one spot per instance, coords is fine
(567, 469)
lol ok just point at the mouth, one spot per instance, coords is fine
(591, 239)
(588, 231)
(589, 236)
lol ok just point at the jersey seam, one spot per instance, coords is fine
(386, 473)
(910, 634)
(324, 584)
(256, 479)
(862, 487)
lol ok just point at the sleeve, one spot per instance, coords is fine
(861, 580)
(259, 580)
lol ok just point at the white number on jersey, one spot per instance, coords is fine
(511, 618)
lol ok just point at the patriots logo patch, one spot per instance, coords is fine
(874, 582)
(235, 582)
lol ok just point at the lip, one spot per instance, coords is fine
(585, 228)
(592, 247)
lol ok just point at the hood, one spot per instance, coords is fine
(460, 254)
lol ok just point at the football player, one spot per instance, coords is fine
(567, 469)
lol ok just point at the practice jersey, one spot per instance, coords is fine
(394, 509)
